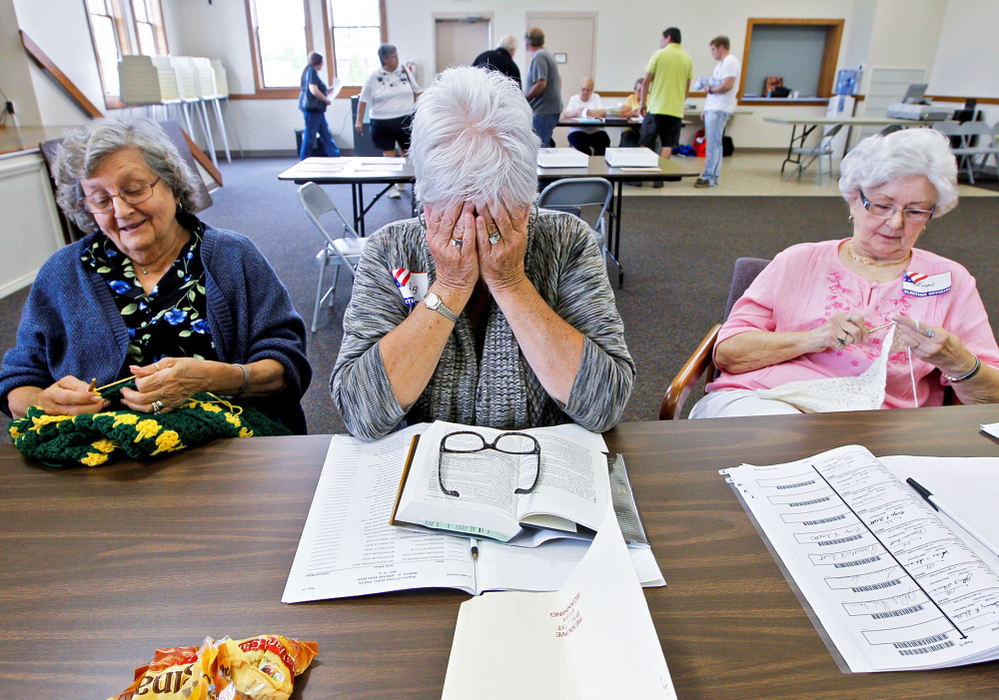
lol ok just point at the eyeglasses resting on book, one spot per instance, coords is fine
(466, 442)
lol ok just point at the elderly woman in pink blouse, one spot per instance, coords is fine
(815, 311)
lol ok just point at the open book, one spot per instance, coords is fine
(348, 547)
(491, 483)
(893, 584)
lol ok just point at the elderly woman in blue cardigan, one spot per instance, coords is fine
(152, 293)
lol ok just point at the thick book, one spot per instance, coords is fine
(490, 483)
(631, 158)
(891, 583)
(562, 158)
(348, 548)
(591, 638)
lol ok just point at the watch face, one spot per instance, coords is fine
(432, 300)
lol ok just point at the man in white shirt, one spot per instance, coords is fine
(718, 106)
(591, 140)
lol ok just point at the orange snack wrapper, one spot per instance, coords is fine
(255, 668)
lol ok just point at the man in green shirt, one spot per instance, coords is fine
(664, 91)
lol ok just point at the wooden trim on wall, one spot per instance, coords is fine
(47, 65)
(331, 48)
(827, 70)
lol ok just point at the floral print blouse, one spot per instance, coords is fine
(171, 320)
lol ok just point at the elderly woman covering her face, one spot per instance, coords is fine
(484, 310)
(813, 312)
(151, 293)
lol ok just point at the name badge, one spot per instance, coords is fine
(917, 284)
(412, 285)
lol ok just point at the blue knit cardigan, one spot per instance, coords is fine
(71, 326)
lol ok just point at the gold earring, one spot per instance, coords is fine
(850, 218)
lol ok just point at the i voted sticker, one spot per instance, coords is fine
(412, 285)
(917, 284)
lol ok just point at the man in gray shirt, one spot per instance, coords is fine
(544, 86)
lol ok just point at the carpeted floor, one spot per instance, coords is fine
(677, 251)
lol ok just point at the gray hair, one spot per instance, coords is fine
(83, 150)
(508, 42)
(386, 50)
(473, 141)
(880, 159)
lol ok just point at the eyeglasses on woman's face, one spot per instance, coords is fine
(136, 193)
(887, 211)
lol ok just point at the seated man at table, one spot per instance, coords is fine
(591, 140)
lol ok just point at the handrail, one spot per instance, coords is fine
(49, 66)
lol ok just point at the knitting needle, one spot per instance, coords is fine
(93, 383)
(881, 327)
(113, 384)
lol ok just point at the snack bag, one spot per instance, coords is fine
(177, 673)
(264, 667)
(256, 668)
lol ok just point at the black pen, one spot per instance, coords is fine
(937, 505)
(475, 547)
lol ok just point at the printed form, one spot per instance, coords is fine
(894, 584)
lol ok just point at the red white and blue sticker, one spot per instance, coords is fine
(412, 285)
(918, 284)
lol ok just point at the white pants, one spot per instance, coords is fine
(729, 403)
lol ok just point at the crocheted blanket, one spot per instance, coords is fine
(100, 438)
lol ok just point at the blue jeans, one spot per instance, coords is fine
(544, 125)
(315, 123)
(714, 126)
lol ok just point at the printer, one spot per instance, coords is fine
(915, 106)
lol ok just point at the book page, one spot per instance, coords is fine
(893, 585)
(485, 482)
(593, 638)
(348, 548)
(574, 482)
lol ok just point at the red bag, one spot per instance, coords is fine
(700, 145)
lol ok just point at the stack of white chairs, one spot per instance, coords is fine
(222, 96)
(205, 79)
(148, 82)
(185, 84)
(190, 97)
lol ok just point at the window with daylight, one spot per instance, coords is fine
(279, 41)
(107, 29)
(147, 18)
(354, 29)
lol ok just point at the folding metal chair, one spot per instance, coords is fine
(343, 250)
(572, 194)
(823, 149)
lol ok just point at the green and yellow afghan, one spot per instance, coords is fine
(99, 438)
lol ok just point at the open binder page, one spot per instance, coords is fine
(893, 584)
(348, 548)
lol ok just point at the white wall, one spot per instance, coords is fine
(61, 30)
(944, 36)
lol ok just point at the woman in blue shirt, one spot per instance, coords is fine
(313, 103)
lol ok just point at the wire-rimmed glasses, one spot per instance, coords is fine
(512, 443)
(886, 211)
(136, 193)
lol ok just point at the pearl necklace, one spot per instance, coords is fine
(873, 263)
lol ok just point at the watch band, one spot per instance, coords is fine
(434, 302)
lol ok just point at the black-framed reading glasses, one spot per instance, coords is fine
(511, 443)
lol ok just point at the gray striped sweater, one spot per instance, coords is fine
(499, 389)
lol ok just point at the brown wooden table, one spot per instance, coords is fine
(100, 566)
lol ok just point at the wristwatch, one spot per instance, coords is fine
(434, 302)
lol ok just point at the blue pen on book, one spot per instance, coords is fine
(937, 505)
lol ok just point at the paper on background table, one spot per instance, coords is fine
(348, 548)
(593, 638)
(893, 584)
